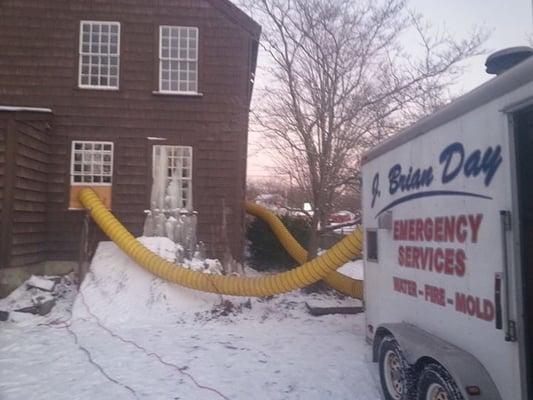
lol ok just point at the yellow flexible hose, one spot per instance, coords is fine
(304, 275)
(342, 283)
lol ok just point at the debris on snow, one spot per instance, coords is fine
(28, 302)
(41, 307)
(41, 283)
(319, 311)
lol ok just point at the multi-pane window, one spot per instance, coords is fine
(99, 54)
(178, 59)
(172, 173)
(92, 163)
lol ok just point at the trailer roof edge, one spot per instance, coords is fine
(496, 87)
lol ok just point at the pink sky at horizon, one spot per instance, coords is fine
(511, 24)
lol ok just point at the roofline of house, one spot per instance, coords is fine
(238, 16)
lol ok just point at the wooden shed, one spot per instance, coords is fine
(119, 96)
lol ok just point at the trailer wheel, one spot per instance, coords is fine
(394, 370)
(435, 383)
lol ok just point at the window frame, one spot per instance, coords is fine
(161, 59)
(189, 180)
(81, 54)
(75, 173)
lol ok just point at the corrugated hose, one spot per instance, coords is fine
(307, 273)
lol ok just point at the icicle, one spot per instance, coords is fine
(160, 221)
(201, 251)
(180, 255)
(178, 230)
(159, 177)
(189, 240)
(148, 228)
(170, 227)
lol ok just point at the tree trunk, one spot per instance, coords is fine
(312, 250)
(312, 247)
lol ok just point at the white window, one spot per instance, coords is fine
(99, 54)
(172, 178)
(178, 59)
(91, 163)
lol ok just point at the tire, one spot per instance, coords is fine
(394, 371)
(435, 383)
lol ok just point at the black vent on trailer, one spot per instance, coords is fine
(502, 60)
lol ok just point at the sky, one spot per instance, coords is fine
(509, 21)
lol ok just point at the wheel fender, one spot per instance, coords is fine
(465, 369)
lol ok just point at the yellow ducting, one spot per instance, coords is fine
(344, 284)
(302, 276)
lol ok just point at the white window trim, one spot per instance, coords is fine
(192, 166)
(72, 163)
(98, 87)
(190, 92)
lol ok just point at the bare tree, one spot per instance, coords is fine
(340, 81)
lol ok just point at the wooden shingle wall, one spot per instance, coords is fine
(29, 230)
(24, 177)
(3, 212)
(39, 68)
(2, 159)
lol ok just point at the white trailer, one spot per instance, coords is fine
(448, 218)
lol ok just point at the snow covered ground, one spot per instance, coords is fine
(129, 335)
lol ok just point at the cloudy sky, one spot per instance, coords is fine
(511, 24)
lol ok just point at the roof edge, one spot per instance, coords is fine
(238, 16)
(506, 82)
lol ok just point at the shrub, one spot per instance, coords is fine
(265, 250)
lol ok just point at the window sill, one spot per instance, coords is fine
(177, 94)
(104, 88)
(89, 185)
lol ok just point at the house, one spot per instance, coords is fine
(125, 96)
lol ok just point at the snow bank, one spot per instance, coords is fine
(353, 269)
(169, 250)
(118, 290)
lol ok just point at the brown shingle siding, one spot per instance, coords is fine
(24, 241)
(39, 67)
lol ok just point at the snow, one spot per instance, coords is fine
(353, 269)
(149, 339)
(41, 283)
(345, 230)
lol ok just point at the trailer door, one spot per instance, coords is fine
(524, 138)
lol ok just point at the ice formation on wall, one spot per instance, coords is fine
(171, 213)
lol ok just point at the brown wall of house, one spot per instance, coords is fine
(39, 68)
(2, 158)
(29, 233)
(24, 188)
(3, 135)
